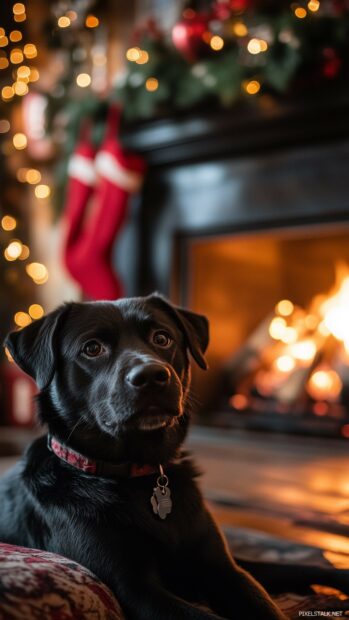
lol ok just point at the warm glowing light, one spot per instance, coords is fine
(16, 36)
(345, 431)
(20, 18)
(64, 21)
(335, 308)
(23, 72)
(91, 21)
(152, 84)
(21, 174)
(277, 328)
(323, 329)
(285, 363)
(16, 56)
(240, 30)
(36, 311)
(289, 336)
(38, 272)
(22, 319)
(18, 8)
(30, 50)
(256, 46)
(13, 250)
(20, 88)
(216, 43)
(25, 253)
(34, 75)
(3, 41)
(42, 191)
(83, 80)
(20, 141)
(33, 176)
(4, 63)
(143, 57)
(285, 307)
(7, 93)
(303, 350)
(8, 222)
(313, 5)
(133, 54)
(2, 32)
(252, 87)
(4, 125)
(7, 256)
(239, 401)
(311, 321)
(300, 12)
(324, 385)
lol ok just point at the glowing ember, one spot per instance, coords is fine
(324, 385)
(285, 363)
(303, 350)
(277, 328)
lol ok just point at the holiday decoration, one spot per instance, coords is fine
(239, 48)
(96, 209)
(188, 35)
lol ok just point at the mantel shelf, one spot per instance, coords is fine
(241, 130)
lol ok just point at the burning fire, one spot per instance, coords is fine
(335, 309)
(305, 355)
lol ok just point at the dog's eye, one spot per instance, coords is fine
(92, 348)
(162, 338)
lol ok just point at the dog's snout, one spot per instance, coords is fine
(150, 374)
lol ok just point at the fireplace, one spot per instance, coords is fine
(278, 305)
(240, 213)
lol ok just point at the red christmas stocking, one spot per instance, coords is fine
(82, 179)
(119, 175)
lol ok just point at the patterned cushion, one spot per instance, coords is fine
(37, 585)
(40, 585)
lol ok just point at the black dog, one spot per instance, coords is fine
(109, 487)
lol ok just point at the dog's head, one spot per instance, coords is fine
(114, 373)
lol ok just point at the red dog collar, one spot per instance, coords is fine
(96, 467)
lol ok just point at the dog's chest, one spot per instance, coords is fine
(174, 526)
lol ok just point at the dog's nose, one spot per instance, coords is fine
(146, 375)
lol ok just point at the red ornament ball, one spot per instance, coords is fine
(188, 35)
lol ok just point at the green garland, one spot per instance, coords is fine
(301, 53)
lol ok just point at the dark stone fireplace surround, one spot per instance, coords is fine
(240, 170)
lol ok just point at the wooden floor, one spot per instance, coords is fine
(296, 488)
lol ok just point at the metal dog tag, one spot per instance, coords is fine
(161, 498)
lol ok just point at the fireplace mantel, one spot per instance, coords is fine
(242, 130)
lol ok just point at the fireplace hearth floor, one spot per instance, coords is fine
(295, 488)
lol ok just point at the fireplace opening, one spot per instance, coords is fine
(278, 305)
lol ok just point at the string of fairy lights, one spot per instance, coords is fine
(20, 78)
(16, 57)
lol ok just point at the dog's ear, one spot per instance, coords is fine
(33, 347)
(194, 326)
